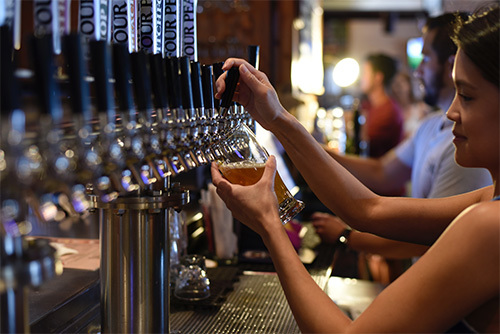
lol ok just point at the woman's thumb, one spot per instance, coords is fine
(270, 170)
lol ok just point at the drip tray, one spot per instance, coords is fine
(257, 305)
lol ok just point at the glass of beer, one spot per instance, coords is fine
(242, 162)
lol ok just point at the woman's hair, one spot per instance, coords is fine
(479, 39)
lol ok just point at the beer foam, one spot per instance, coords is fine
(242, 164)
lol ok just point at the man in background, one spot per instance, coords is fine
(383, 128)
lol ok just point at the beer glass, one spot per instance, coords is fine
(242, 162)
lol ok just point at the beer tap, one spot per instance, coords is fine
(129, 136)
(111, 176)
(160, 102)
(221, 121)
(226, 114)
(158, 86)
(201, 121)
(142, 88)
(211, 112)
(175, 119)
(82, 138)
(207, 78)
(190, 127)
(227, 106)
(217, 72)
(225, 127)
(51, 169)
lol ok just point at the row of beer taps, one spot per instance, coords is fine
(108, 123)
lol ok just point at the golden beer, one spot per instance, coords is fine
(247, 173)
(242, 162)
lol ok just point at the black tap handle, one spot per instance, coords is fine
(43, 64)
(141, 81)
(173, 83)
(121, 69)
(197, 86)
(217, 69)
(79, 88)
(207, 76)
(9, 99)
(100, 56)
(186, 84)
(233, 75)
(253, 55)
(158, 84)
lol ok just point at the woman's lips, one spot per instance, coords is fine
(458, 137)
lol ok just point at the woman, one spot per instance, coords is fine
(458, 278)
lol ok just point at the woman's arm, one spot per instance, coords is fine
(256, 206)
(340, 191)
(458, 274)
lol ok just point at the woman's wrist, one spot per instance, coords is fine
(272, 232)
(285, 124)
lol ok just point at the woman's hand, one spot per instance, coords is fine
(256, 205)
(254, 92)
(328, 227)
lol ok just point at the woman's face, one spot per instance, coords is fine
(475, 111)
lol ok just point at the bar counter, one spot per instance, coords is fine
(246, 297)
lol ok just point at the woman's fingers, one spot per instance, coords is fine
(270, 172)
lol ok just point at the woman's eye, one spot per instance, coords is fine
(465, 97)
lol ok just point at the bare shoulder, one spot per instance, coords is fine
(487, 212)
(482, 221)
(478, 230)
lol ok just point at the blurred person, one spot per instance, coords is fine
(457, 281)
(426, 159)
(414, 109)
(383, 128)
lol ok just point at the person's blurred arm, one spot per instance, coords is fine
(329, 228)
(383, 175)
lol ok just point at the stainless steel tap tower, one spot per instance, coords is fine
(135, 283)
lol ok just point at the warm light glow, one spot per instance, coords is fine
(338, 112)
(346, 72)
(307, 75)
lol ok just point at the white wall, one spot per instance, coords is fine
(368, 36)
(464, 5)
